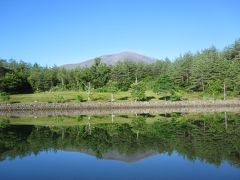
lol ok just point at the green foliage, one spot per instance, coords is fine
(125, 73)
(214, 87)
(99, 97)
(20, 72)
(195, 136)
(80, 98)
(163, 84)
(138, 91)
(139, 123)
(55, 89)
(4, 123)
(99, 74)
(42, 79)
(59, 99)
(232, 52)
(4, 97)
(112, 86)
(190, 72)
(175, 96)
(182, 70)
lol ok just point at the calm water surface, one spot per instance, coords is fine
(125, 146)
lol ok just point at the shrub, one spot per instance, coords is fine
(100, 97)
(60, 99)
(175, 96)
(80, 98)
(4, 123)
(4, 97)
(138, 91)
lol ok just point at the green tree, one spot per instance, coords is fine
(214, 87)
(124, 73)
(99, 73)
(138, 91)
(163, 84)
(182, 70)
(112, 87)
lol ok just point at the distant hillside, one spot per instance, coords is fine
(113, 59)
(116, 155)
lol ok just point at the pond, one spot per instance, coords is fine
(121, 146)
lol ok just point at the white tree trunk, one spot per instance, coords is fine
(89, 90)
(226, 120)
(112, 118)
(112, 98)
(137, 134)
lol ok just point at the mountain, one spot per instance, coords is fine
(116, 155)
(113, 59)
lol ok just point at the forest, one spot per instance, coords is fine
(210, 71)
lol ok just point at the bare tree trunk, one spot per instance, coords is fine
(137, 134)
(112, 118)
(89, 90)
(136, 80)
(226, 120)
(112, 98)
(89, 125)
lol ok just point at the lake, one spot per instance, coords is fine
(121, 146)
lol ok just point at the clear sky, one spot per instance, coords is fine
(69, 31)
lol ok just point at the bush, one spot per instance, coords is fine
(139, 122)
(175, 96)
(60, 99)
(138, 91)
(4, 97)
(163, 84)
(80, 98)
(4, 123)
(103, 89)
(99, 97)
(56, 88)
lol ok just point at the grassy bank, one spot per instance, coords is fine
(72, 96)
(76, 120)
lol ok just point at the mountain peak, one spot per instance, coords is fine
(112, 59)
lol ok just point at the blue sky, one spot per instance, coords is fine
(68, 31)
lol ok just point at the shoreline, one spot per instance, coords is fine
(118, 105)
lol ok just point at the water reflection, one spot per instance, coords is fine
(209, 137)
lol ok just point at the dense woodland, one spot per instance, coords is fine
(204, 71)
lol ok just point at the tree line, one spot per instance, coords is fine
(208, 71)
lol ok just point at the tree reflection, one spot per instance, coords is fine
(212, 138)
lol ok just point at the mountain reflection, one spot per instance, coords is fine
(210, 137)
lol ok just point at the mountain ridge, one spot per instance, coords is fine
(111, 59)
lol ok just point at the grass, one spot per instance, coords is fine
(107, 119)
(123, 96)
(75, 120)
(71, 96)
